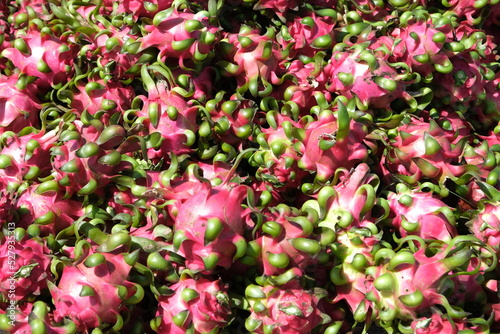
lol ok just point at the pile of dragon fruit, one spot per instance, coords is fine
(249, 166)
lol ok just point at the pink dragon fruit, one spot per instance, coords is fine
(277, 159)
(332, 142)
(18, 104)
(24, 266)
(209, 227)
(435, 324)
(280, 7)
(349, 203)
(232, 119)
(45, 206)
(197, 305)
(254, 59)
(48, 58)
(287, 309)
(25, 157)
(465, 85)
(354, 251)
(183, 35)
(94, 292)
(166, 112)
(137, 8)
(33, 318)
(367, 76)
(286, 240)
(486, 224)
(307, 89)
(423, 149)
(307, 33)
(94, 96)
(406, 283)
(414, 212)
(87, 157)
(419, 43)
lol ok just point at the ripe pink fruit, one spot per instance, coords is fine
(48, 58)
(195, 305)
(209, 227)
(332, 142)
(30, 269)
(415, 212)
(286, 309)
(19, 105)
(94, 292)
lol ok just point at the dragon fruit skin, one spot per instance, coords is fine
(354, 251)
(254, 59)
(418, 43)
(310, 84)
(435, 324)
(308, 34)
(110, 96)
(423, 149)
(18, 107)
(46, 57)
(25, 157)
(91, 294)
(233, 119)
(420, 213)
(31, 268)
(196, 305)
(34, 317)
(328, 146)
(407, 284)
(277, 158)
(165, 111)
(365, 75)
(486, 224)
(45, 206)
(286, 241)
(183, 35)
(284, 309)
(209, 227)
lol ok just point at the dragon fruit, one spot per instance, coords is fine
(44, 205)
(349, 203)
(232, 120)
(285, 240)
(308, 34)
(436, 323)
(407, 283)
(307, 87)
(253, 59)
(183, 35)
(95, 96)
(422, 149)
(166, 112)
(354, 251)
(414, 212)
(34, 318)
(25, 267)
(46, 57)
(366, 76)
(25, 157)
(288, 308)
(419, 43)
(277, 159)
(209, 227)
(95, 291)
(18, 104)
(331, 142)
(485, 225)
(197, 305)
